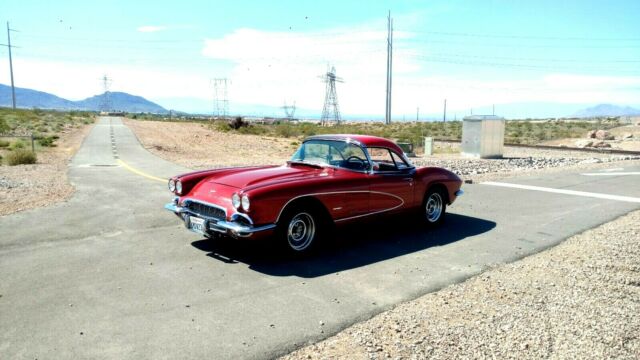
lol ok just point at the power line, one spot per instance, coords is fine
(105, 103)
(520, 37)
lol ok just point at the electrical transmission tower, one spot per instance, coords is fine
(9, 46)
(220, 100)
(105, 103)
(289, 111)
(331, 110)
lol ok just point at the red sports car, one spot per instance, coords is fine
(331, 179)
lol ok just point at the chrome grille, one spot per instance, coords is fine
(205, 210)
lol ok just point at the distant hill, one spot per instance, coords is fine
(607, 110)
(120, 101)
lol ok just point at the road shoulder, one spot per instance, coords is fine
(576, 300)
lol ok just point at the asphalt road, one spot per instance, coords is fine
(111, 274)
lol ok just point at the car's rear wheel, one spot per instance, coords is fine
(299, 230)
(434, 207)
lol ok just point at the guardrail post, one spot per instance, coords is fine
(33, 145)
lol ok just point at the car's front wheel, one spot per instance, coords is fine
(434, 207)
(298, 230)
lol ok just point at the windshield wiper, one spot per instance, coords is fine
(302, 162)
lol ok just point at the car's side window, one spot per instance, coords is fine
(383, 158)
(400, 163)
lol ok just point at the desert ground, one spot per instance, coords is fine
(32, 186)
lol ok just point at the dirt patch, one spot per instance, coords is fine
(195, 146)
(25, 187)
(577, 300)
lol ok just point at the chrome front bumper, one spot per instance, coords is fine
(459, 192)
(232, 228)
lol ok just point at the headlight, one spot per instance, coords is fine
(179, 187)
(172, 185)
(245, 202)
(235, 201)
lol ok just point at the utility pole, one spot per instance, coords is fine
(9, 46)
(417, 114)
(387, 116)
(444, 114)
(493, 111)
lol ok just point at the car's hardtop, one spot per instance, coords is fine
(362, 140)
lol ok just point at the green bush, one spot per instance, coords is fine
(4, 143)
(21, 156)
(19, 144)
(46, 141)
(4, 127)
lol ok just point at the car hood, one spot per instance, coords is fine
(252, 178)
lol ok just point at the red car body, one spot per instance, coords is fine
(341, 194)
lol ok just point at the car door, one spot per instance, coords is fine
(392, 182)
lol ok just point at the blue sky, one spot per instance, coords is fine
(533, 58)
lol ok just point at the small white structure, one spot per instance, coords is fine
(428, 146)
(482, 136)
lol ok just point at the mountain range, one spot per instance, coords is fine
(119, 101)
(607, 110)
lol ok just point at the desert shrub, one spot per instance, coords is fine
(19, 144)
(46, 141)
(238, 123)
(4, 127)
(221, 126)
(252, 130)
(21, 156)
(4, 143)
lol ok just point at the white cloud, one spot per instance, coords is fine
(269, 67)
(151, 28)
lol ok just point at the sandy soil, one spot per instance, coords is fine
(631, 144)
(25, 187)
(195, 146)
(578, 300)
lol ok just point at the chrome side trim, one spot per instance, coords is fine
(459, 193)
(346, 192)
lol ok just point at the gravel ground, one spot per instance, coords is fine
(25, 187)
(580, 299)
(524, 161)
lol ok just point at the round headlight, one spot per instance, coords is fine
(178, 187)
(245, 202)
(235, 201)
(172, 185)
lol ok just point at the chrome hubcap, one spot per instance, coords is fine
(301, 231)
(434, 207)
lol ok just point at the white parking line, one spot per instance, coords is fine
(612, 173)
(566, 192)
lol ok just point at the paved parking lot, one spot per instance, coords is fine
(112, 274)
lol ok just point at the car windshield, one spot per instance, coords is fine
(335, 153)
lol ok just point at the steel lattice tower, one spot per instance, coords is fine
(289, 110)
(105, 103)
(220, 98)
(331, 110)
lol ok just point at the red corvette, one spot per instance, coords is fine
(331, 179)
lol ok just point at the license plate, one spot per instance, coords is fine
(197, 224)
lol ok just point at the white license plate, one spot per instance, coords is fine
(197, 224)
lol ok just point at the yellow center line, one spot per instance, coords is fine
(139, 172)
